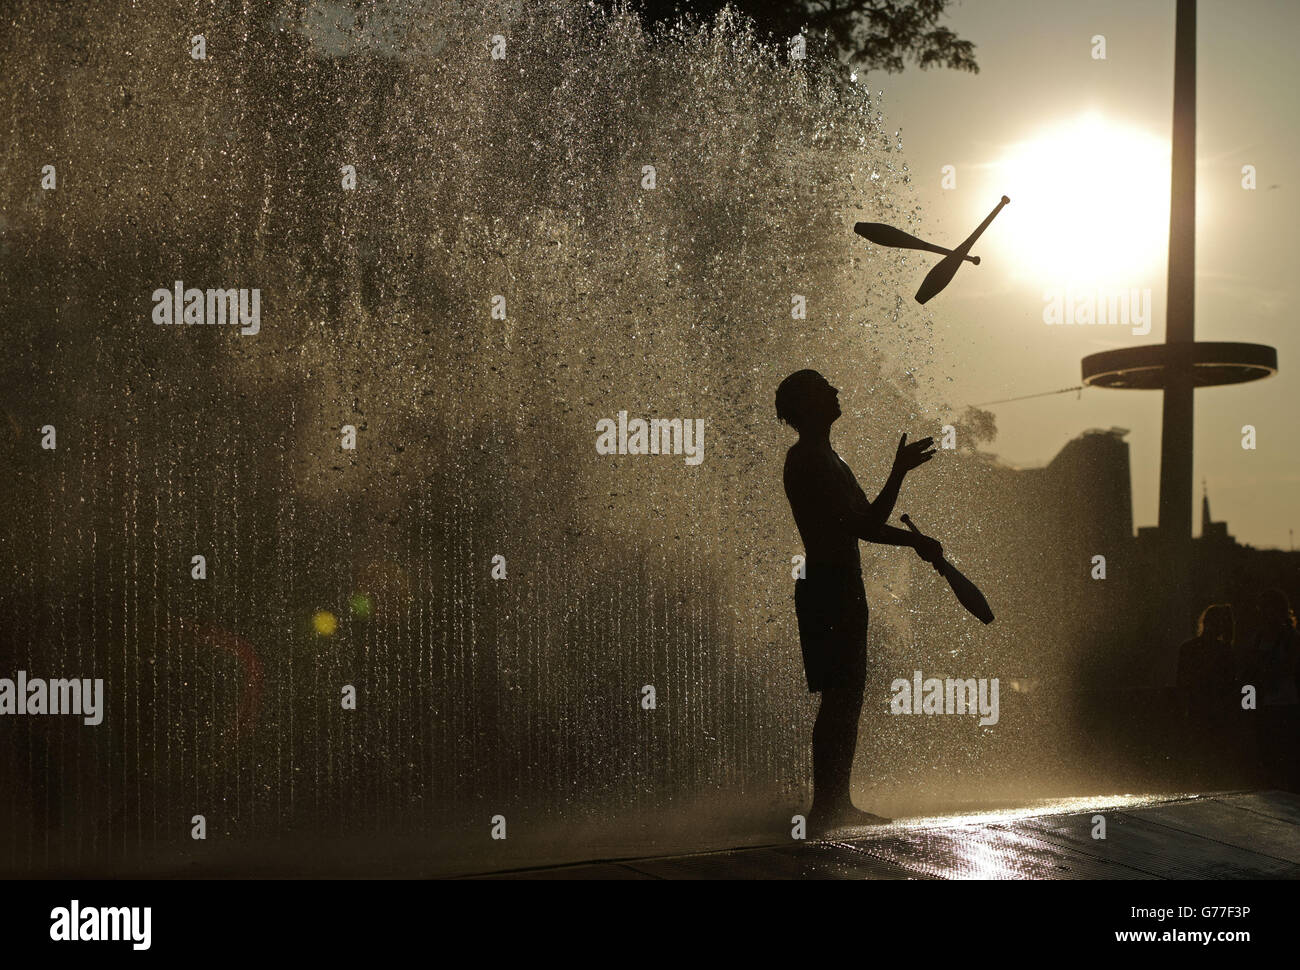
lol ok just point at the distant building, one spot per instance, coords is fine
(1049, 533)
(1215, 533)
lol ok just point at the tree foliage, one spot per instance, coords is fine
(882, 35)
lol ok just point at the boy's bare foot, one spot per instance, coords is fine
(845, 816)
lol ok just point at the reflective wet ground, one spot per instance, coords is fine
(1251, 835)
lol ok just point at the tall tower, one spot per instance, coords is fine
(1180, 364)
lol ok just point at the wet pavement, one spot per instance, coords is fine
(1243, 835)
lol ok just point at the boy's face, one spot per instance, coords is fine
(828, 400)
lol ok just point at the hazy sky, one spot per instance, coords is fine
(1082, 148)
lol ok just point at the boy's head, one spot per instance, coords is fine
(806, 401)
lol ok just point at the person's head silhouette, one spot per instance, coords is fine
(807, 402)
(1276, 609)
(1216, 623)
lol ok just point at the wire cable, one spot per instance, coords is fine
(1026, 397)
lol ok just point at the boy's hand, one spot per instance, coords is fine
(914, 455)
(929, 549)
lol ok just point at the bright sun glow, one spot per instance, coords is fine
(1092, 204)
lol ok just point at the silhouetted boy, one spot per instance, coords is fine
(833, 514)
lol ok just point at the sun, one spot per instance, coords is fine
(1092, 204)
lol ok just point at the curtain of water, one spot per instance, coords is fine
(521, 177)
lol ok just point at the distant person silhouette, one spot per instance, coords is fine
(1209, 692)
(1205, 662)
(1275, 660)
(832, 514)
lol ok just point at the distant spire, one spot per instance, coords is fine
(1205, 507)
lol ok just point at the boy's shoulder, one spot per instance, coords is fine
(803, 461)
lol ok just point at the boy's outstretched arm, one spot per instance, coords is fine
(877, 529)
(907, 458)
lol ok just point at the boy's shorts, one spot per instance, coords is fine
(831, 606)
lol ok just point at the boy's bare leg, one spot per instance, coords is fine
(835, 739)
